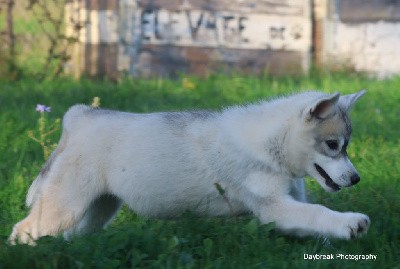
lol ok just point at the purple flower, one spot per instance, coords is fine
(43, 108)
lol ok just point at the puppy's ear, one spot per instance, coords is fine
(322, 108)
(347, 101)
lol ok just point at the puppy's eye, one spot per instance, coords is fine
(332, 144)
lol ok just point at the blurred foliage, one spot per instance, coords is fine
(40, 48)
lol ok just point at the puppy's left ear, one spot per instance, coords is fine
(323, 107)
(347, 101)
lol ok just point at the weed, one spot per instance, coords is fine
(44, 129)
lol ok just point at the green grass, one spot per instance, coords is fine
(132, 241)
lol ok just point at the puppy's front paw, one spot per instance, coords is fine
(353, 225)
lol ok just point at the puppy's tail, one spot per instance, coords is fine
(35, 188)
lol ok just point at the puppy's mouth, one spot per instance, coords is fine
(328, 180)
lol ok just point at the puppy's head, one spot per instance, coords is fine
(328, 128)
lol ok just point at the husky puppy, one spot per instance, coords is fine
(163, 164)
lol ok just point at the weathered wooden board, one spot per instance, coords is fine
(163, 37)
(275, 7)
(360, 11)
(170, 60)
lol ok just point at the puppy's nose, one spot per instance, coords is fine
(354, 179)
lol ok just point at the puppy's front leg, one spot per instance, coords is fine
(311, 219)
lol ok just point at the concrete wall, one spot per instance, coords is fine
(361, 34)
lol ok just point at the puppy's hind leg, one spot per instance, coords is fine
(59, 205)
(100, 212)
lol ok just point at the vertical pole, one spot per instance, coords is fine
(319, 13)
(10, 32)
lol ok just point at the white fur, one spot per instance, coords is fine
(162, 164)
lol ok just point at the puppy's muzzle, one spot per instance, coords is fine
(328, 180)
